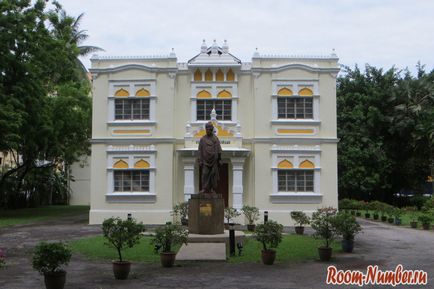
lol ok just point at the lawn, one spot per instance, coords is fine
(32, 215)
(406, 217)
(294, 248)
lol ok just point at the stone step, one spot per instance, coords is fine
(202, 252)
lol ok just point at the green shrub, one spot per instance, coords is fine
(50, 257)
(426, 218)
(322, 223)
(122, 234)
(300, 218)
(269, 234)
(181, 210)
(346, 225)
(168, 236)
(251, 214)
(231, 213)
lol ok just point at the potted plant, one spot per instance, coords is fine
(165, 238)
(2, 258)
(360, 205)
(48, 259)
(181, 210)
(397, 213)
(300, 219)
(121, 234)
(230, 214)
(252, 215)
(425, 220)
(376, 207)
(322, 223)
(346, 226)
(413, 217)
(270, 235)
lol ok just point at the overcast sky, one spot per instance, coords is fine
(382, 33)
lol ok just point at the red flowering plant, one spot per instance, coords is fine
(2, 258)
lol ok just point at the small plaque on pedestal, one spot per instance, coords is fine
(206, 214)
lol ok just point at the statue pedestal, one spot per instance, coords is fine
(206, 214)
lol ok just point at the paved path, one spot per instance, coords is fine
(379, 244)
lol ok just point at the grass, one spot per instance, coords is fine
(32, 215)
(406, 217)
(95, 248)
(294, 248)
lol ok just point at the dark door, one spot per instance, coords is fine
(223, 185)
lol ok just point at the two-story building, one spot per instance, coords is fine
(275, 117)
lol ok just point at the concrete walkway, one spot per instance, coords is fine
(379, 244)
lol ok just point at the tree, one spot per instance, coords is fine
(44, 101)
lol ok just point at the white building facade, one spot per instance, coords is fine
(275, 117)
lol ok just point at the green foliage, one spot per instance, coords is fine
(377, 112)
(50, 257)
(251, 213)
(122, 234)
(181, 210)
(426, 218)
(231, 213)
(45, 108)
(300, 218)
(269, 234)
(169, 235)
(346, 225)
(322, 223)
(346, 204)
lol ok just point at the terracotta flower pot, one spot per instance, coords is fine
(268, 257)
(121, 270)
(413, 224)
(299, 230)
(167, 259)
(325, 253)
(55, 280)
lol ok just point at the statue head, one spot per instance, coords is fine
(209, 127)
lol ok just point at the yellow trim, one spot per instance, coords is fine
(220, 132)
(285, 92)
(122, 92)
(203, 94)
(286, 131)
(219, 76)
(285, 164)
(143, 92)
(306, 164)
(305, 92)
(224, 94)
(131, 131)
(197, 75)
(120, 164)
(142, 164)
(230, 76)
(208, 75)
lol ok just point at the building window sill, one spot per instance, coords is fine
(296, 121)
(296, 198)
(138, 197)
(131, 122)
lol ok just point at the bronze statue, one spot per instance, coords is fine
(209, 157)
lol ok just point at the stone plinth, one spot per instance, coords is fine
(206, 214)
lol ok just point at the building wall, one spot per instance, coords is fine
(80, 187)
(173, 92)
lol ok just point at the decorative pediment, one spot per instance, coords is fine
(214, 56)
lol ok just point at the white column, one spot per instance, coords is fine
(188, 177)
(237, 182)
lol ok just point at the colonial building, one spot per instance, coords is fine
(275, 117)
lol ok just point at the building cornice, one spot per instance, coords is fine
(133, 66)
(296, 66)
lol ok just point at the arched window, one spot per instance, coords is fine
(306, 164)
(120, 164)
(198, 75)
(294, 107)
(219, 76)
(305, 92)
(224, 94)
(142, 92)
(141, 164)
(208, 75)
(203, 94)
(284, 92)
(230, 76)
(285, 164)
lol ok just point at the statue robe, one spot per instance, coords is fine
(209, 156)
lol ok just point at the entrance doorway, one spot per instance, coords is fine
(223, 185)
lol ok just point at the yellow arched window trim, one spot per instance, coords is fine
(120, 164)
(141, 164)
(305, 92)
(208, 75)
(285, 164)
(198, 75)
(203, 94)
(219, 76)
(143, 92)
(306, 164)
(230, 76)
(224, 94)
(285, 92)
(122, 93)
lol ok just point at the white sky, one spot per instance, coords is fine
(382, 33)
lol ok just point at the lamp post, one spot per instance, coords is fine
(265, 216)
